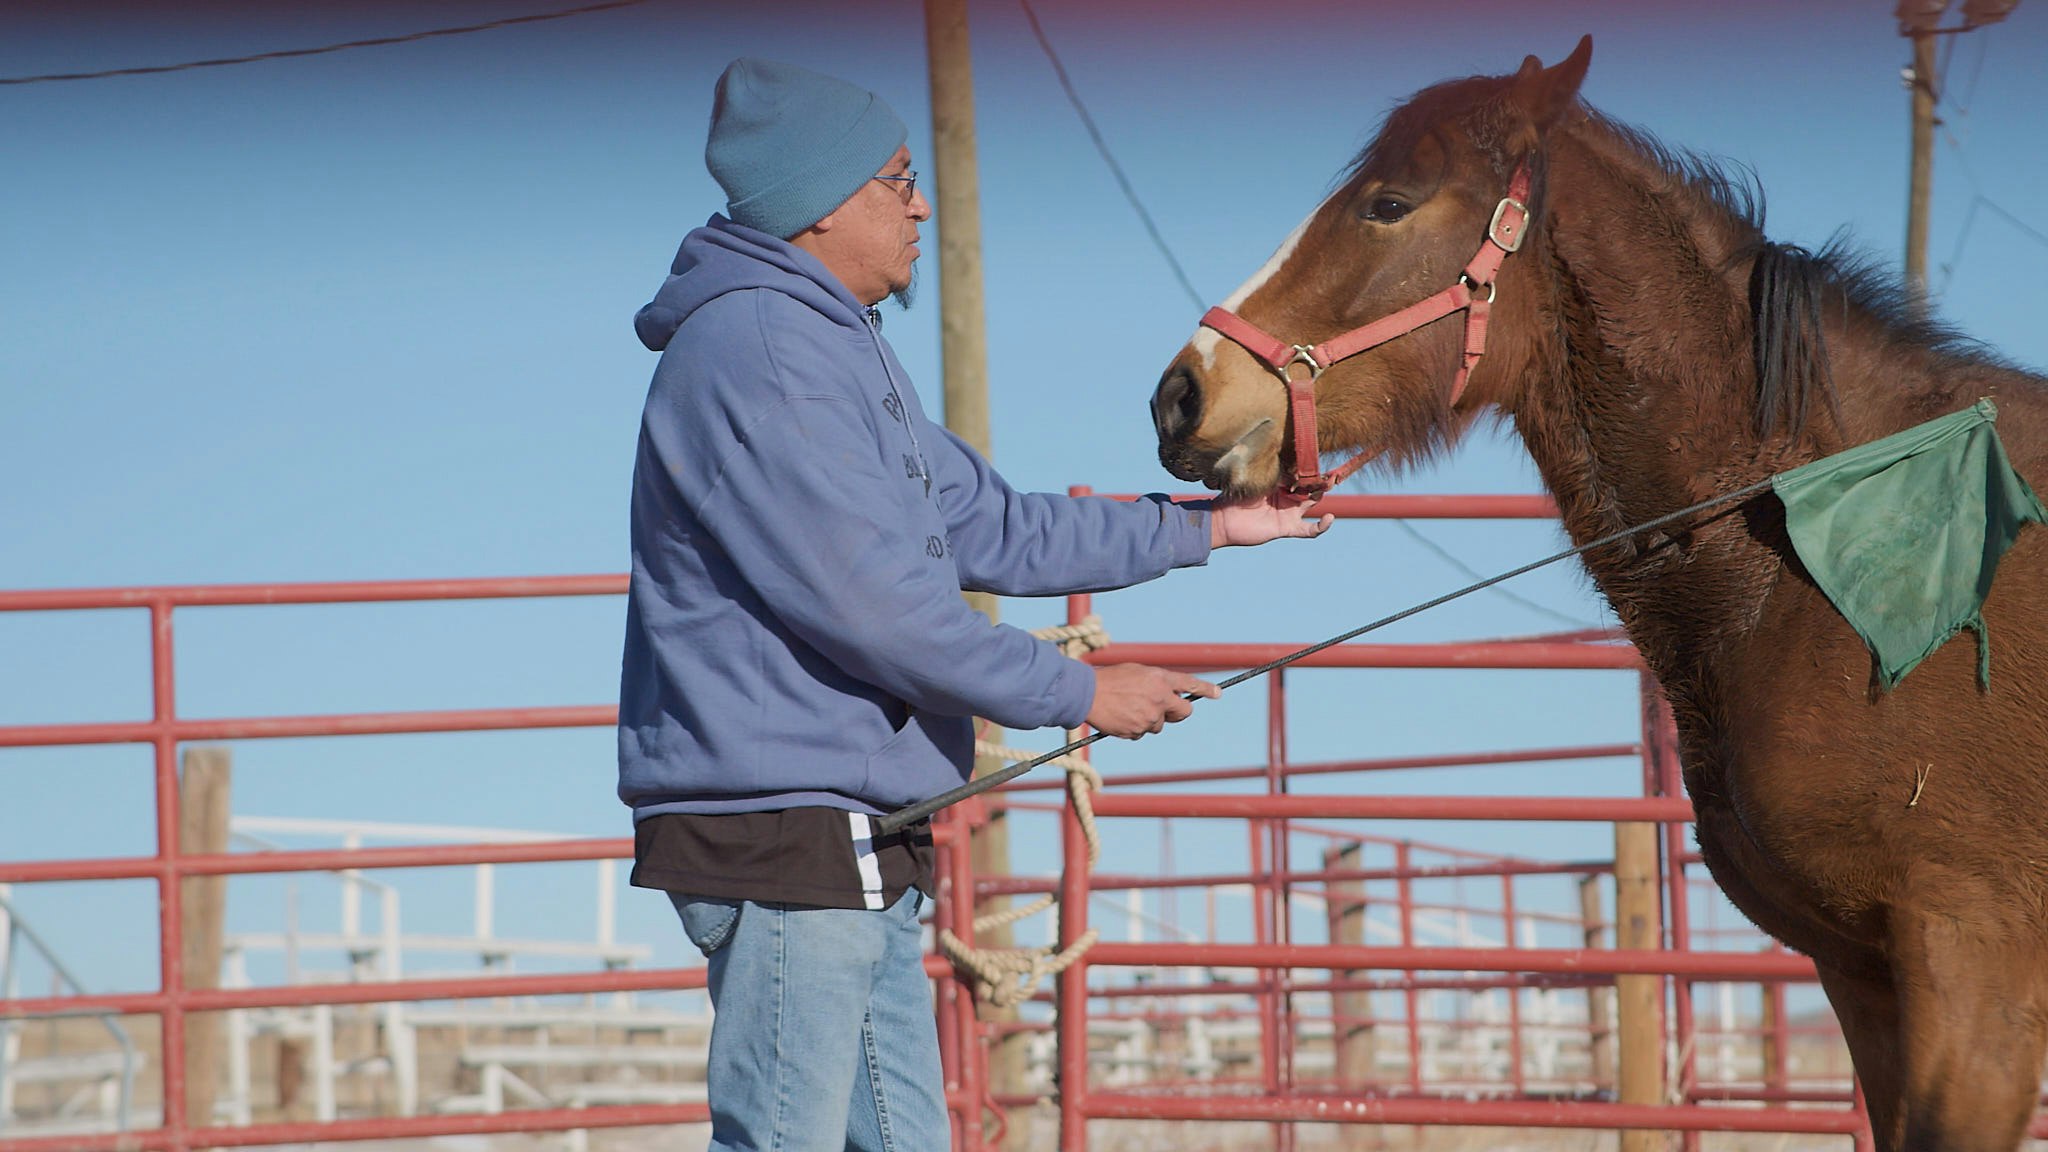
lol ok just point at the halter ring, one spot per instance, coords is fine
(1303, 354)
(1492, 286)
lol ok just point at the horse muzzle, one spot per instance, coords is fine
(1228, 452)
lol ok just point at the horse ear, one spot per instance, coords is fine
(1546, 93)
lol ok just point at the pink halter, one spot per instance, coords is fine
(1504, 234)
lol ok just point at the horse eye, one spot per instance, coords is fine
(1386, 209)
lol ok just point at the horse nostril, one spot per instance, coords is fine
(1176, 404)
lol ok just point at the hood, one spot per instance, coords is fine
(724, 257)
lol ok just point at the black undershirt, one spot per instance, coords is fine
(798, 856)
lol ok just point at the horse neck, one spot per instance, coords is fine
(1636, 405)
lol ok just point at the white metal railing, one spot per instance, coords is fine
(380, 953)
(104, 1079)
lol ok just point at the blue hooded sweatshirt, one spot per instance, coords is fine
(795, 634)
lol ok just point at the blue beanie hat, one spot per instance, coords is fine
(789, 145)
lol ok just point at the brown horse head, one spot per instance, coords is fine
(1405, 221)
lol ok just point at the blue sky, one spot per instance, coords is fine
(367, 316)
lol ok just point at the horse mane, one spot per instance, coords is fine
(1791, 288)
(1788, 345)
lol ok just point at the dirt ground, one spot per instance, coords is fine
(1158, 1137)
(365, 1096)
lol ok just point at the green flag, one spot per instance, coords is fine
(1904, 534)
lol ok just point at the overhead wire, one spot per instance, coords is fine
(1976, 71)
(1979, 200)
(292, 53)
(1947, 53)
(1108, 157)
(1960, 111)
(1470, 573)
(1130, 193)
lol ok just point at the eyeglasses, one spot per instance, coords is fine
(908, 180)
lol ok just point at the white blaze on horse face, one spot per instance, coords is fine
(1207, 339)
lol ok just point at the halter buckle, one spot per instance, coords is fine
(1516, 230)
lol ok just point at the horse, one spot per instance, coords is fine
(1653, 349)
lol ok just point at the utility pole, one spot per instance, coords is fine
(957, 204)
(1921, 193)
(963, 350)
(1919, 21)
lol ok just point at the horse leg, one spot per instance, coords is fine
(1972, 1031)
(1868, 1006)
(1855, 976)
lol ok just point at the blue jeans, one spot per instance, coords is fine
(822, 1034)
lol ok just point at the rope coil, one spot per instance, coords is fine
(1008, 976)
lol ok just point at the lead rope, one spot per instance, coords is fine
(1007, 976)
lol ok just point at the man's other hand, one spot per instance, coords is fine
(1274, 516)
(1134, 699)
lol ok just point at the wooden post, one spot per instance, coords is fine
(1921, 195)
(1639, 1000)
(1771, 1025)
(963, 348)
(1767, 1025)
(1352, 1038)
(291, 1077)
(203, 828)
(1599, 1012)
(956, 207)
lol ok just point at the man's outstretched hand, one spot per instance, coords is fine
(1274, 516)
(1134, 699)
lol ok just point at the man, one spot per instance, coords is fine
(798, 656)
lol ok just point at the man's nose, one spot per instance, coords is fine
(920, 208)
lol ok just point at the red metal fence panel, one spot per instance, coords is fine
(1282, 1096)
